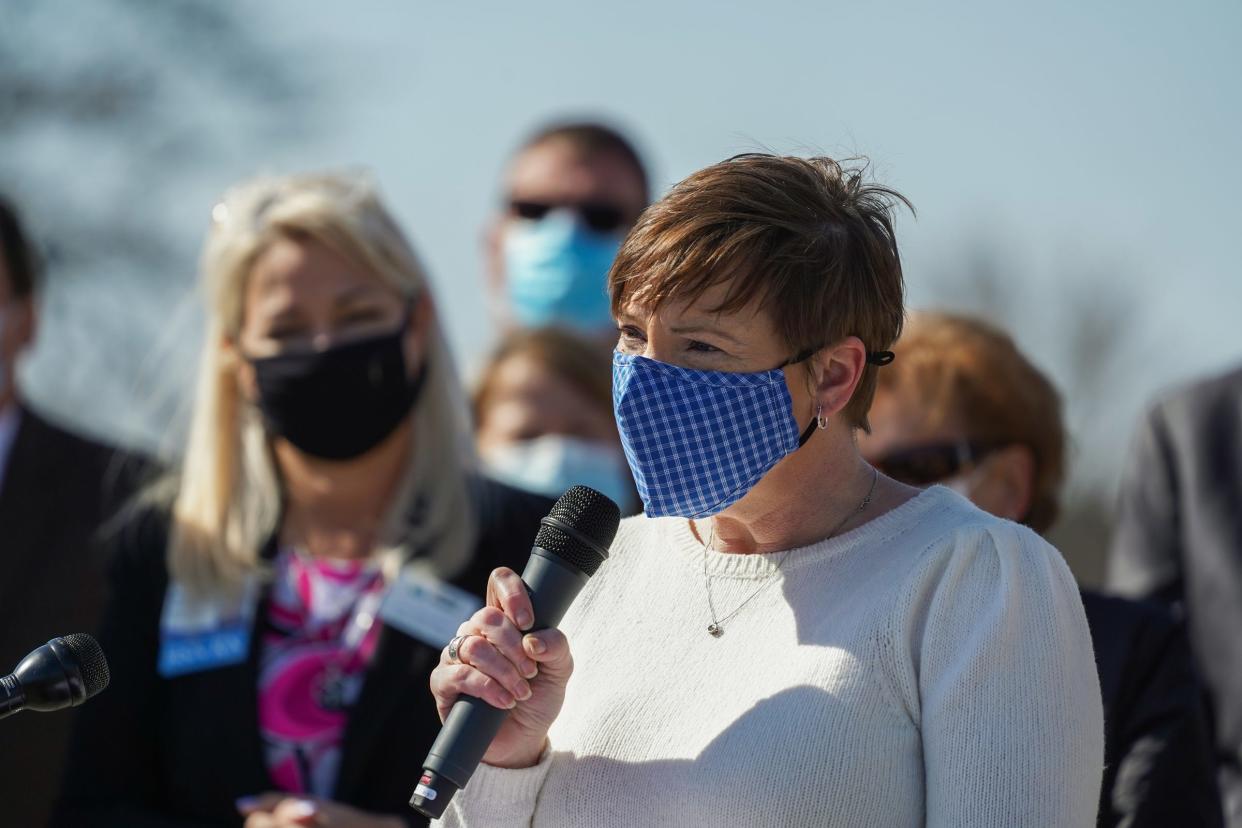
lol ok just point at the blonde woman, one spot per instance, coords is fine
(274, 621)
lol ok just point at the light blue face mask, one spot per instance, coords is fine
(556, 270)
(553, 463)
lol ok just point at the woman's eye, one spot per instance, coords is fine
(283, 334)
(630, 332)
(702, 347)
(362, 315)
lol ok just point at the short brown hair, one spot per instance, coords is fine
(962, 370)
(809, 239)
(589, 139)
(583, 362)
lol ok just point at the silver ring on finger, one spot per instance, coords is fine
(453, 651)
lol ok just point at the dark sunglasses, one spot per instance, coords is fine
(599, 216)
(925, 465)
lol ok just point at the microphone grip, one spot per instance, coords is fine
(472, 724)
(12, 699)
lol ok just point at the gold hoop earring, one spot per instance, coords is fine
(820, 419)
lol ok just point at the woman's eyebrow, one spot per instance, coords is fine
(356, 292)
(698, 329)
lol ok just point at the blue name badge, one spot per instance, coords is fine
(200, 634)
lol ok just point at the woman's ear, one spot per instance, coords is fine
(418, 329)
(1007, 482)
(839, 368)
(232, 362)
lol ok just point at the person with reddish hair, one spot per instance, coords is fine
(964, 408)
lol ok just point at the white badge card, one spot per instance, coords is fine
(199, 634)
(424, 607)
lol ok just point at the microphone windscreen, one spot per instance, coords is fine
(91, 661)
(580, 528)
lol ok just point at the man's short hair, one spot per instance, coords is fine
(20, 258)
(808, 239)
(591, 139)
(959, 370)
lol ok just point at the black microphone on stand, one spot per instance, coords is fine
(572, 542)
(64, 672)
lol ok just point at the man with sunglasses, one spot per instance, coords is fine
(962, 407)
(572, 192)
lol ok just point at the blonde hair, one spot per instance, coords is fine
(228, 504)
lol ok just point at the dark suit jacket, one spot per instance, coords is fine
(58, 489)
(1179, 539)
(1158, 764)
(154, 752)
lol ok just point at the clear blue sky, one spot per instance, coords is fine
(1083, 142)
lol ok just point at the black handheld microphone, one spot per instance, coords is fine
(64, 672)
(573, 541)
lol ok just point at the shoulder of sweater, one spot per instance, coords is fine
(957, 546)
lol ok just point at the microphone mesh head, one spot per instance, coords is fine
(592, 516)
(91, 661)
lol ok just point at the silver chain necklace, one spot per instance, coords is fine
(716, 628)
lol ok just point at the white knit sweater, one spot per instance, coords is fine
(930, 667)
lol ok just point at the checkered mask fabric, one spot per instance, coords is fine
(698, 441)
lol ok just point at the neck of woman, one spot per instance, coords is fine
(807, 497)
(336, 508)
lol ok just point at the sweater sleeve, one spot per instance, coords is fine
(497, 797)
(996, 669)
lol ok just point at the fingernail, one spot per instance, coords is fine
(535, 645)
(245, 803)
(530, 669)
(507, 702)
(524, 620)
(523, 692)
(304, 808)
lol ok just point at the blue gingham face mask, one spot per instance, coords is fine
(698, 441)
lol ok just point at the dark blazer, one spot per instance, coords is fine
(1158, 767)
(1178, 539)
(57, 490)
(178, 752)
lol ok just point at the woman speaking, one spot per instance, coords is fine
(272, 620)
(786, 636)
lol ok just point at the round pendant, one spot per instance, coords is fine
(715, 629)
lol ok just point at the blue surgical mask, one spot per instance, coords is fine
(556, 270)
(554, 462)
(698, 441)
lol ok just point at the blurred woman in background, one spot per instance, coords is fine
(274, 619)
(961, 406)
(543, 416)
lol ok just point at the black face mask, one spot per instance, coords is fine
(341, 402)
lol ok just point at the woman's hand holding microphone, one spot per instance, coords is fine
(494, 659)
